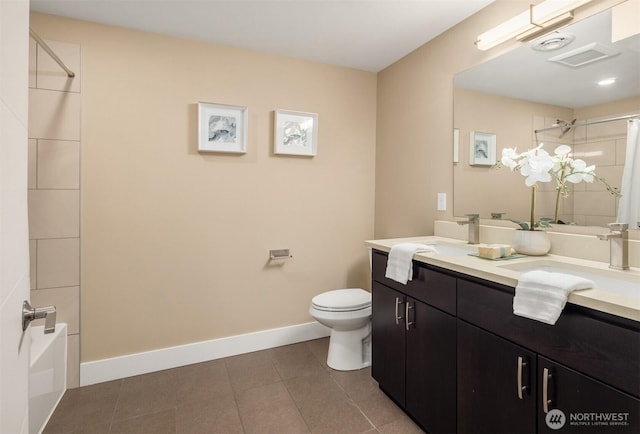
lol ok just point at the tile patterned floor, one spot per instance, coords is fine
(282, 390)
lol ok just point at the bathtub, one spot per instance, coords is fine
(47, 374)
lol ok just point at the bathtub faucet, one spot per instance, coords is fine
(31, 313)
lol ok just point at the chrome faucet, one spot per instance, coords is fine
(618, 244)
(474, 227)
(31, 313)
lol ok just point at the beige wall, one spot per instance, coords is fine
(175, 243)
(415, 125)
(513, 122)
(415, 121)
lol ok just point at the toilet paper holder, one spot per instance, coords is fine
(279, 254)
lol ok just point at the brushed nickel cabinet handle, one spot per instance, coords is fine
(398, 317)
(545, 390)
(521, 388)
(407, 323)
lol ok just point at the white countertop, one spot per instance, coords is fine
(621, 303)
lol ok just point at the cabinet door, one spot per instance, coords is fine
(571, 402)
(388, 341)
(496, 384)
(431, 367)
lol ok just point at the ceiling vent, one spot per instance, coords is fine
(585, 55)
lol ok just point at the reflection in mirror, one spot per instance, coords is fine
(526, 90)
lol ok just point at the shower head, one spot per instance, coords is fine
(565, 126)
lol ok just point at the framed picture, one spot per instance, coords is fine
(296, 133)
(222, 128)
(456, 145)
(482, 149)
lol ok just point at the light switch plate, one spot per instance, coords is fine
(442, 201)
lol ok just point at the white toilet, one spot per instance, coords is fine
(348, 313)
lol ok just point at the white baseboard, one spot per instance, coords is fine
(99, 371)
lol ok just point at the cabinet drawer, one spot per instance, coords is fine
(428, 284)
(597, 344)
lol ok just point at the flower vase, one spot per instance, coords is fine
(534, 243)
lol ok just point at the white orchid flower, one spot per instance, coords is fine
(580, 172)
(561, 160)
(510, 157)
(562, 150)
(536, 168)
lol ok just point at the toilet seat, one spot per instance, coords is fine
(342, 300)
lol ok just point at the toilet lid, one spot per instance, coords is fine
(343, 299)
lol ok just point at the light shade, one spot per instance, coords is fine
(529, 23)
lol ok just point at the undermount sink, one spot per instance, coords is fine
(451, 249)
(607, 280)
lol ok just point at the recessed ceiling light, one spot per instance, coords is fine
(555, 41)
(607, 81)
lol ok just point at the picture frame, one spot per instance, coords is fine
(456, 145)
(295, 133)
(482, 149)
(222, 128)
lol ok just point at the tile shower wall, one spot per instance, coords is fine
(602, 145)
(605, 146)
(54, 189)
(590, 204)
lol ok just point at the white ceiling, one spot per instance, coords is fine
(363, 34)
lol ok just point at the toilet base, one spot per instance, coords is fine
(350, 350)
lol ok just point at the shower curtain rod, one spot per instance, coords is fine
(50, 52)
(617, 118)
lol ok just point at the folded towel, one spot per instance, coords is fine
(541, 295)
(494, 251)
(399, 262)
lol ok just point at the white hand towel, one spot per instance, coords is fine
(399, 262)
(541, 295)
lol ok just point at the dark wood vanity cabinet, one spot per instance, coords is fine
(514, 372)
(414, 347)
(588, 405)
(496, 384)
(503, 388)
(388, 347)
(460, 361)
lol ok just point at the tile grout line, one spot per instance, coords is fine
(282, 381)
(113, 413)
(352, 401)
(233, 394)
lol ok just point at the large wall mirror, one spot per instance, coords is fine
(552, 89)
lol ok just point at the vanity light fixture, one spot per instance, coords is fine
(538, 19)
